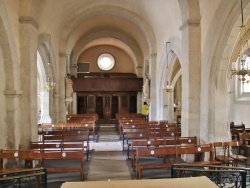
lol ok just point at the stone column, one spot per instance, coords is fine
(45, 117)
(12, 128)
(139, 71)
(74, 110)
(191, 86)
(139, 102)
(153, 110)
(56, 108)
(61, 87)
(28, 81)
(170, 107)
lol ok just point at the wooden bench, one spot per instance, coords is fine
(129, 126)
(73, 136)
(133, 122)
(198, 154)
(154, 153)
(19, 158)
(30, 156)
(57, 146)
(63, 156)
(145, 143)
(163, 142)
(133, 134)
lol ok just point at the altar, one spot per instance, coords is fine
(193, 182)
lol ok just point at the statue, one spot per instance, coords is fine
(69, 87)
(68, 93)
(145, 90)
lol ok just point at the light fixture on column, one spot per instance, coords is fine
(241, 67)
(167, 87)
(49, 84)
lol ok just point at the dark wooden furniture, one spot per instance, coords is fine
(69, 155)
(154, 153)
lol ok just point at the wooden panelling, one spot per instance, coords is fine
(107, 84)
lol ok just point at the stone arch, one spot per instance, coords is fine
(134, 50)
(118, 11)
(216, 57)
(45, 50)
(174, 52)
(10, 82)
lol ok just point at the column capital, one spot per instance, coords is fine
(151, 56)
(62, 54)
(139, 67)
(12, 93)
(56, 95)
(189, 22)
(28, 20)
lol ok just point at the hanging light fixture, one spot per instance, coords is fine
(49, 84)
(167, 87)
(241, 67)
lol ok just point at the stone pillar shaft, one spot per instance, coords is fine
(152, 72)
(28, 82)
(191, 86)
(61, 82)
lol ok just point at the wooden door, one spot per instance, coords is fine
(107, 106)
(124, 104)
(91, 104)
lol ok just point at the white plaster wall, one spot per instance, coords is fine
(241, 113)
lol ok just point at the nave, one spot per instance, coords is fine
(108, 161)
(131, 149)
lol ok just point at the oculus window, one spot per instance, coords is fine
(106, 61)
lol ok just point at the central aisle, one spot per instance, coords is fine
(107, 159)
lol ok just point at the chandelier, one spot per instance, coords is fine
(49, 84)
(167, 87)
(241, 66)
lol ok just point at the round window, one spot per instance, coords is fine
(106, 61)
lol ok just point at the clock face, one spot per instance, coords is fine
(106, 61)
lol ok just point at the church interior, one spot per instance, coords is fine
(169, 62)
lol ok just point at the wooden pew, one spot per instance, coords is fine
(69, 155)
(145, 143)
(137, 125)
(163, 142)
(198, 153)
(153, 164)
(29, 156)
(36, 155)
(133, 122)
(74, 136)
(133, 134)
(57, 146)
